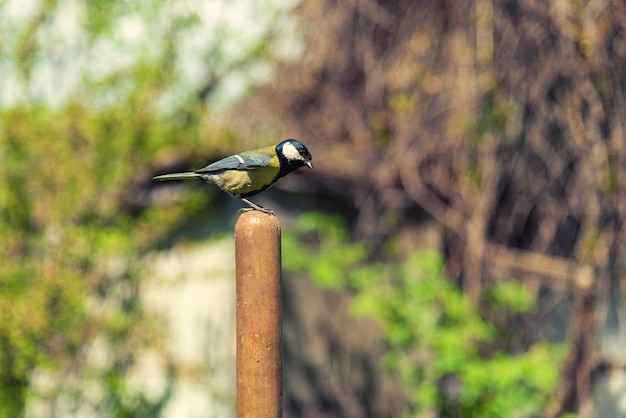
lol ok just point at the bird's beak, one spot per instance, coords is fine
(308, 164)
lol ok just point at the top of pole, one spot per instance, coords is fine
(253, 219)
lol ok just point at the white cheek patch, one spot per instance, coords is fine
(290, 152)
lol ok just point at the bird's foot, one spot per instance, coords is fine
(260, 209)
(254, 206)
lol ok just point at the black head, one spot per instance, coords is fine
(292, 155)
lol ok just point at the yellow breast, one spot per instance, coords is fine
(249, 181)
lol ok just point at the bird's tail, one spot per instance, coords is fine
(177, 176)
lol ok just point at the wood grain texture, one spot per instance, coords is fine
(259, 347)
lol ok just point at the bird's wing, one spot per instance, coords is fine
(247, 160)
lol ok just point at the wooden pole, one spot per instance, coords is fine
(259, 347)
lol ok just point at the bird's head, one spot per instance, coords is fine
(293, 154)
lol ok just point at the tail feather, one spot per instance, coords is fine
(177, 176)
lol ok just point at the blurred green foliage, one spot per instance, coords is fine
(70, 235)
(67, 275)
(439, 344)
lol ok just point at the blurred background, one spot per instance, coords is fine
(457, 251)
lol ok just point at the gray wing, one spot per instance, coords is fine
(245, 161)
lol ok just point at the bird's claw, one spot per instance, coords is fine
(254, 206)
(260, 209)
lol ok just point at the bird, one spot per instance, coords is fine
(250, 172)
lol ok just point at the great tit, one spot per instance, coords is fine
(250, 172)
